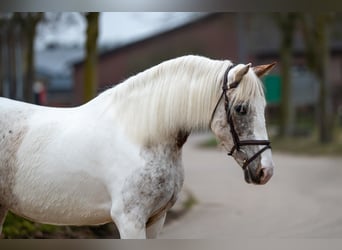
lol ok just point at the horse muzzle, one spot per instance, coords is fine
(260, 177)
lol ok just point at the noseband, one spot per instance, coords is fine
(237, 142)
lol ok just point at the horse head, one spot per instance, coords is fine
(238, 121)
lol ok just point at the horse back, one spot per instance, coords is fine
(44, 155)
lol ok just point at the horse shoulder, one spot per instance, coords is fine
(150, 188)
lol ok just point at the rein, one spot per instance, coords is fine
(237, 142)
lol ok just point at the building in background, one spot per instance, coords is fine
(54, 69)
(240, 37)
(215, 36)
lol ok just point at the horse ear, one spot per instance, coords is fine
(262, 70)
(239, 75)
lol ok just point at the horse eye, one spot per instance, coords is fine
(241, 109)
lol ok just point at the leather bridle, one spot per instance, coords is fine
(237, 142)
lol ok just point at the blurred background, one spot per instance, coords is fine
(65, 59)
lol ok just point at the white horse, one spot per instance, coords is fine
(118, 157)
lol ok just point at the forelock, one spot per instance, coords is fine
(249, 90)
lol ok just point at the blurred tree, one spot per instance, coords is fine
(11, 37)
(18, 34)
(286, 23)
(28, 23)
(315, 28)
(59, 22)
(2, 25)
(10, 44)
(90, 77)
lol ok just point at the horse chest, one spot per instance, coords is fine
(152, 186)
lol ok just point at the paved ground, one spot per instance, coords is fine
(302, 200)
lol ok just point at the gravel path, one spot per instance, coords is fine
(302, 200)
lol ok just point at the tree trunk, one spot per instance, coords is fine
(11, 41)
(325, 106)
(90, 77)
(29, 70)
(29, 24)
(316, 35)
(1, 59)
(286, 24)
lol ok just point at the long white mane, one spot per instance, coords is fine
(179, 94)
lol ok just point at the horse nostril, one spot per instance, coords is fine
(265, 174)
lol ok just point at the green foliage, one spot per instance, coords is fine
(190, 202)
(210, 143)
(16, 227)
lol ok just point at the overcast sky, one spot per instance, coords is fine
(115, 27)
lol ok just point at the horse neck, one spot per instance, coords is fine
(161, 104)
